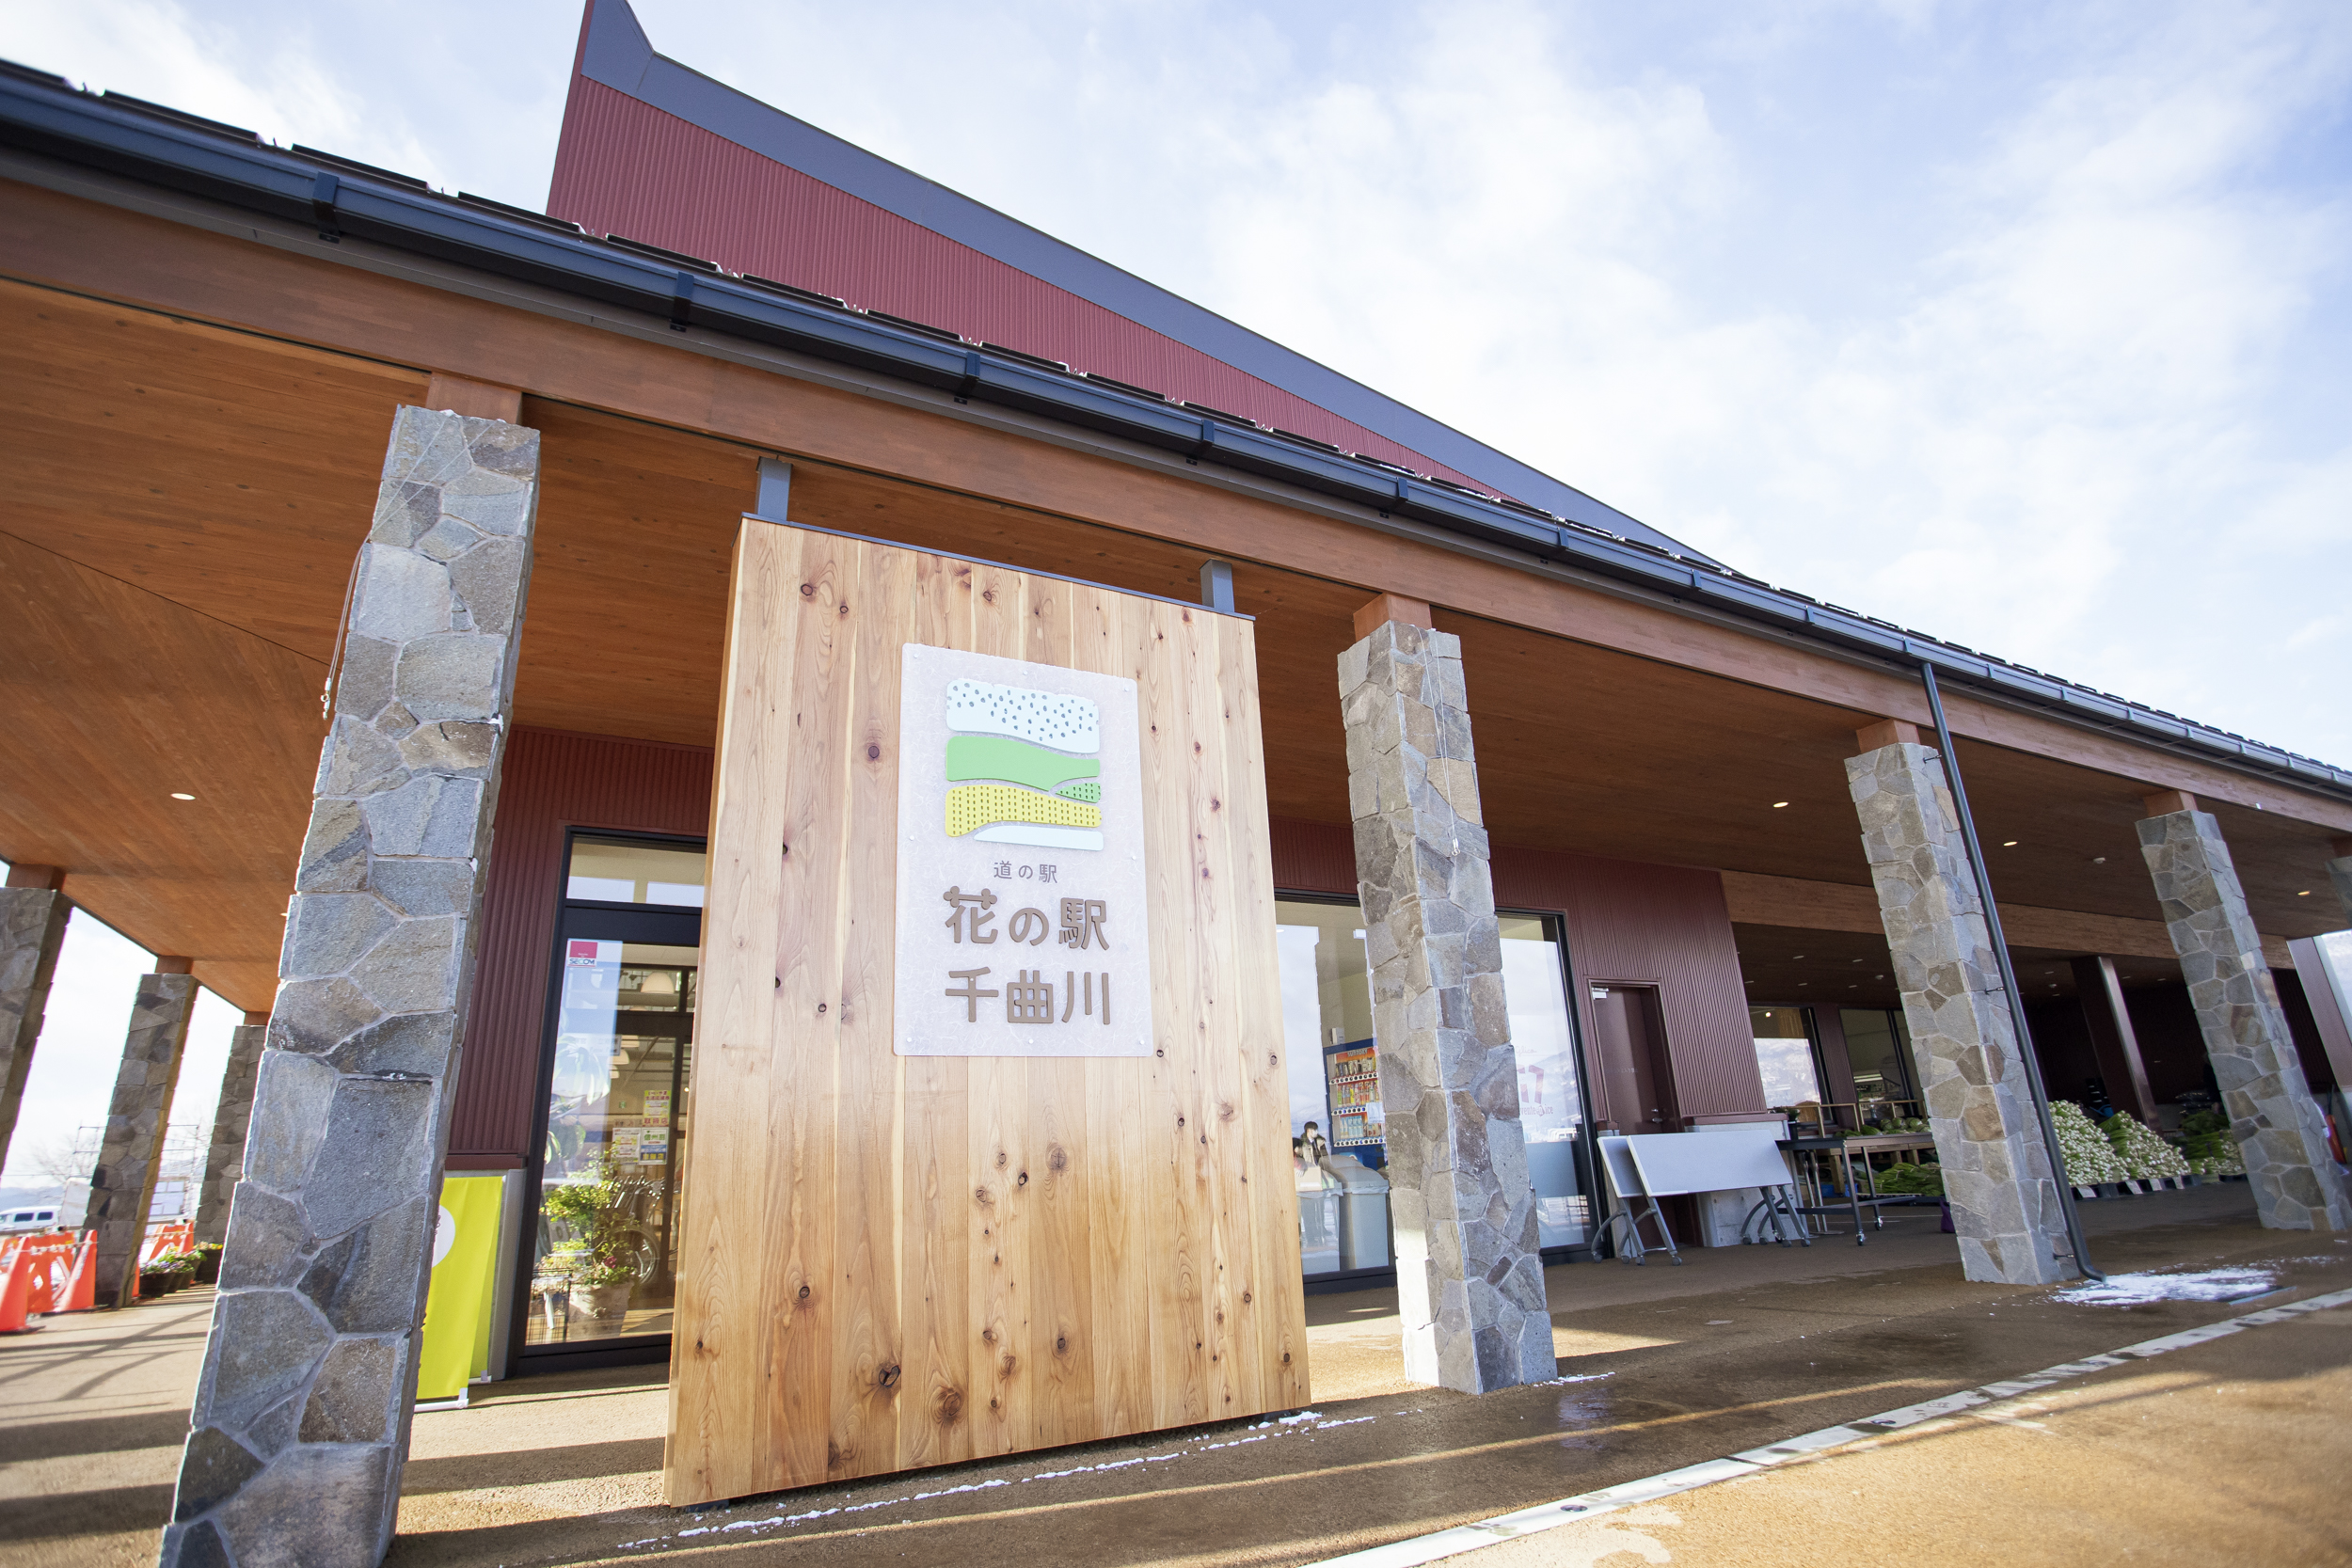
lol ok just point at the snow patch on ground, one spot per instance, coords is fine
(2142, 1289)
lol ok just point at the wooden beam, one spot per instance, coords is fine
(175, 966)
(1393, 607)
(1757, 900)
(2164, 802)
(1887, 732)
(48, 876)
(479, 399)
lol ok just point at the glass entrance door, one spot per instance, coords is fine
(619, 1081)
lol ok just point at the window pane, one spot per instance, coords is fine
(621, 872)
(1326, 1013)
(1783, 1057)
(1879, 1051)
(617, 1125)
(1333, 1070)
(1551, 1101)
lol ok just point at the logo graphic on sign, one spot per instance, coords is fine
(1031, 756)
(1022, 924)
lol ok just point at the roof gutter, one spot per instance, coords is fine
(45, 115)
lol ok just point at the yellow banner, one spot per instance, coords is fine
(457, 1309)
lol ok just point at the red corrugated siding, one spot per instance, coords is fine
(1312, 857)
(551, 782)
(623, 167)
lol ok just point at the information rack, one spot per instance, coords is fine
(1352, 1084)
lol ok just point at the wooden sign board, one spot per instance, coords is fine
(909, 1241)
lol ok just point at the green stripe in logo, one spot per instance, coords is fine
(996, 756)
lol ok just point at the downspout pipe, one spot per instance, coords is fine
(2008, 979)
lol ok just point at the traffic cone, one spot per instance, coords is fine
(16, 1292)
(81, 1291)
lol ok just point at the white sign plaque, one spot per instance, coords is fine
(1022, 928)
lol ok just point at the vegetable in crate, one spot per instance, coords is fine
(2089, 1158)
(2143, 1152)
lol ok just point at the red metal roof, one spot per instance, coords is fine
(626, 168)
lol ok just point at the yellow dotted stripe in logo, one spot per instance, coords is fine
(975, 806)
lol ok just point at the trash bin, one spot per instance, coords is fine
(1363, 1212)
(1318, 1218)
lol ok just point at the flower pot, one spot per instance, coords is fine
(597, 1310)
(208, 1268)
(1946, 1226)
(153, 1285)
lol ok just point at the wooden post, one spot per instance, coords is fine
(2112, 1041)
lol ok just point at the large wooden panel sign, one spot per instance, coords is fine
(989, 1130)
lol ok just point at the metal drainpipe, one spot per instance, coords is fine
(2008, 979)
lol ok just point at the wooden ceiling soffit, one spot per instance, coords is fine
(319, 300)
(117, 699)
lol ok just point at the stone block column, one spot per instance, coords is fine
(123, 1188)
(1470, 1276)
(224, 1159)
(300, 1426)
(2272, 1115)
(1997, 1167)
(32, 928)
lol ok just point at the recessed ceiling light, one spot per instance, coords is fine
(2009, 844)
(1795, 957)
(181, 795)
(1778, 804)
(2305, 894)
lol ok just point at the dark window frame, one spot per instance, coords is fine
(660, 924)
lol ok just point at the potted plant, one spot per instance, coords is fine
(169, 1268)
(208, 1263)
(598, 1297)
(598, 1260)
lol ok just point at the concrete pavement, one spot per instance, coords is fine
(1661, 1367)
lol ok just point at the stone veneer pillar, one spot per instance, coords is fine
(2272, 1115)
(1470, 1276)
(123, 1188)
(300, 1426)
(224, 1160)
(1997, 1175)
(32, 928)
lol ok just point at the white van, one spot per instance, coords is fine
(57, 1214)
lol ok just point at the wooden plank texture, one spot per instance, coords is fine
(893, 1262)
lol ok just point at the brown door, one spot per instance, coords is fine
(1632, 1052)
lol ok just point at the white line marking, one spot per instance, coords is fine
(1567, 1510)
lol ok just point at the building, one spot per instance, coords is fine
(728, 313)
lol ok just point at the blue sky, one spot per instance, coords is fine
(2027, 325)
